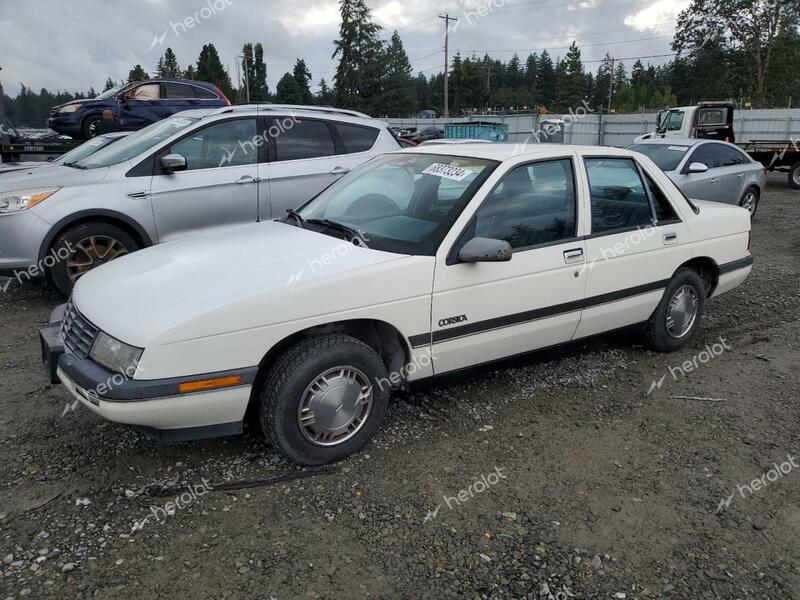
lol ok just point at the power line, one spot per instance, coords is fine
(658, 37)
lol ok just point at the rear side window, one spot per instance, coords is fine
(728, 156)
(664, 210)
(304, 139)
(705, 154)
(619, 200)
(178, 91)
(203, 93)
(355, 137)
(533, 204)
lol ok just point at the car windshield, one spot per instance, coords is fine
(402, 203)
(84, 150)
(109, 92)
(666, 156)
(136, 143)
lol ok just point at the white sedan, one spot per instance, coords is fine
(421, 262)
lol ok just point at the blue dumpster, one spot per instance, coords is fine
(493, 132)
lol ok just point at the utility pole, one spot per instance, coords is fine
(446, 18)
(611, 84)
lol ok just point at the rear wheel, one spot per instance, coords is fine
(84, 247)
(794, 176)
(323, 399)
(750, 200)
(679, 313)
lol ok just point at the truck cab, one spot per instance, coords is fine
(706, 120)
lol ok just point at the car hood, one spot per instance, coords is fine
(21, 166)
(203, 285)
(83, 102)
(54, 175)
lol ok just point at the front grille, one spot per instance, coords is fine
(78, 333)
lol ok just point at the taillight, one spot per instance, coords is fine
(223, 96)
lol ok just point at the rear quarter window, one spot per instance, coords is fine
(204, 94)
(356, 138)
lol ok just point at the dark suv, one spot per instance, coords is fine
(134, 105)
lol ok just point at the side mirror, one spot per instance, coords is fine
(698, 167)
(172, 163)
(481, 249)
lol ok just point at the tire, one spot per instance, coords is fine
(88, 130)
(794, 176)
(93, 242)
(290, 392)
(750, 200)
(658, 334)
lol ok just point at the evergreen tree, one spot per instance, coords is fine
(137, 73)
(168, 66)
(572, 81)
(259, 92)
(325, 96)
(602, 83)
(423, 90)
(359, 50)
(109, 84)
(302, 76)
(209, 68)
(288, 91)
(400, 95)
(547, 80)
(190, 72)
(532, 77)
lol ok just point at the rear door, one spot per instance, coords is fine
(637, 241)
(303, 161)
(220, 185)
(178, 97)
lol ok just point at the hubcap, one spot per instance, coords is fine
(335, 406)
(749, 202)
(93, 129)
(682, 311)
(92, 252)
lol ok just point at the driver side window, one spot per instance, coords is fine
(223, 144)
(147, 91)
(533, 204)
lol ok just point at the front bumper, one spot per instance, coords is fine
(21, 237)
(65, 125)
(155, 406)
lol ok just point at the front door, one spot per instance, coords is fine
(485, 311)
(220, 185)
(141, 106)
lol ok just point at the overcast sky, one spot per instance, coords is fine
(77, 44)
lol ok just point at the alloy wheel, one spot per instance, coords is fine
(91, 252)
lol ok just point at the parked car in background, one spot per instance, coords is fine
(134, 105)
(708, 170)
(428, 133)
(88, 148)
(424, 261)
(190, 172)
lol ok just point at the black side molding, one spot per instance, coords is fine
(736, 265)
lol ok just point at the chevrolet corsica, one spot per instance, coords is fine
(421, 262)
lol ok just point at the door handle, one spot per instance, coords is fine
(740, 175)
(247, 179)
(573, 255)
(670, 238)
(339, 171)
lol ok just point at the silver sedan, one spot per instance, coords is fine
(708, 170)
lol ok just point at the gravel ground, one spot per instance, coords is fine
(553, 476)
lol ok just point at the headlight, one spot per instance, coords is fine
(69, 108)
(115, 355)
(11, 202)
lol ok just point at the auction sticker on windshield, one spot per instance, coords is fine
(447, 171)
(178, 123)
(678, 148)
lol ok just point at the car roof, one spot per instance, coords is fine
(675, 141)
(336, 114)
(501, 152)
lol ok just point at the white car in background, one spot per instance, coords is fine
(421, 262)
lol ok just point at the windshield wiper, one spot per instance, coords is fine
(74, 165)
(355, 233)
(293, 213)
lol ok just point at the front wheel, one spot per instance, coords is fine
(794, 176)
(324, 399)
(679, 313)
(89, 126)
(84, 247)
